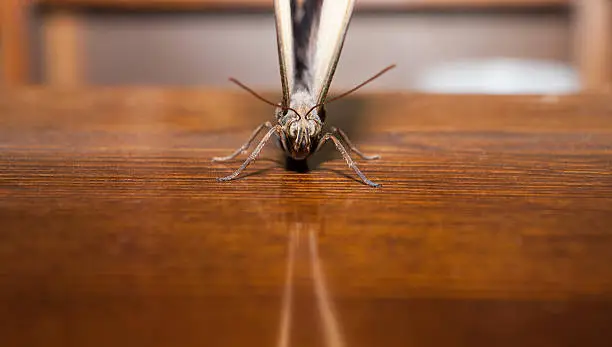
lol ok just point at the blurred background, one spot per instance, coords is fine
(440, 46)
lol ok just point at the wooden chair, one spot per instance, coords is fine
(63, 65)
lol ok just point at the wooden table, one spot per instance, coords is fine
(493, 226)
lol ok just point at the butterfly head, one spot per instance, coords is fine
(302, 137)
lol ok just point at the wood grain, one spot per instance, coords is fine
(493, 225)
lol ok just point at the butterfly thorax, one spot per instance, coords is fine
(301, 129)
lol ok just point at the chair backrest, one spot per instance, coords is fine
(63, 62)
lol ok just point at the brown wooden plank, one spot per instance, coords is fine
(493, 226)
(265, 4)
(14, 40)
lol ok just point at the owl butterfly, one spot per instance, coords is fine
(310, 36)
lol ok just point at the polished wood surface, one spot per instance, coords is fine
(493, 226)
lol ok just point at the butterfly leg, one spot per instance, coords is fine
(276, 129)
(346, 156)
(246, 145)
(352, 146)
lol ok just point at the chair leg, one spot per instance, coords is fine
(593, 43)
(14, 55)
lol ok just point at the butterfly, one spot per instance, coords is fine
(310, 36)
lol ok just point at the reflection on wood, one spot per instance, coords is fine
(286, 308)
(327, 315)
(331, 328)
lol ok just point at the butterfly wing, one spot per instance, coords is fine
(310, 37)
(285, 44)
(326, 47)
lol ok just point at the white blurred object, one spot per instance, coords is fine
(500, 76)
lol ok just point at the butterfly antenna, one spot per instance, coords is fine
(353, 89)
(241, 85)
(362, 84)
